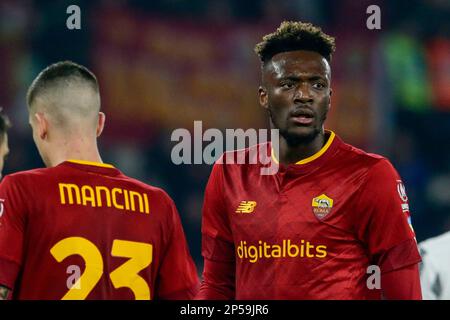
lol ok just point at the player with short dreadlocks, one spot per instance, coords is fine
(332, 223)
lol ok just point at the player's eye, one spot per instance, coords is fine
(287, 85)
(319, 85)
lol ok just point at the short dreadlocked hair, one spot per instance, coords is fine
(292, 36)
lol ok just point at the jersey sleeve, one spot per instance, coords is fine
(217, 239)
(383, 221)
(402, 284)
(12, 226)
(217, 242)
(178, 277)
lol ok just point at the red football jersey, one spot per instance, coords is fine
(311, 230)
(86, 231)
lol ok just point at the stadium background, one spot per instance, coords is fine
(162, 64)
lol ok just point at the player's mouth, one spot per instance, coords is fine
(302, 117)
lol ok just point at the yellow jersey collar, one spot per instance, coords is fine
(314, 156)
(91, 163)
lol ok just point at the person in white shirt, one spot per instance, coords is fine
(435, 267)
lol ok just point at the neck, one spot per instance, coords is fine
(70, 150)
(293, 154)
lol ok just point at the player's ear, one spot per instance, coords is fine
(263, 98)
(101, 123)
(329, 101)
(41, 125)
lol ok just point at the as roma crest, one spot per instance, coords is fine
(322, 206)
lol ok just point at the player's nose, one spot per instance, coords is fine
(303, 95)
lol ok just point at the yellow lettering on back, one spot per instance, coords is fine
(88, 196)
(98, 196)
(70, 189)
(127, 200)
(147, 209)
(107, 194)
(134, 194)
(114, 199)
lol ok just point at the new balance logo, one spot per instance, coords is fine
(246, 207)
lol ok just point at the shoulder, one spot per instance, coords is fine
(250, 154)
(375, 165)
(362, 157)
(152, 191)
(33, 173)
(20, 187)
(244, 159)
(28, 176)
(241, 164)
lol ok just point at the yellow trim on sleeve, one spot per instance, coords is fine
(91, 163)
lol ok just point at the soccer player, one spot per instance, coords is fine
(81, 229)
(332, 223)
(435, 267)
(4, 149)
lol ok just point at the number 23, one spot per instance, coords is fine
(126, 275)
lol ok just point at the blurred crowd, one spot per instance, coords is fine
(163, 64)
